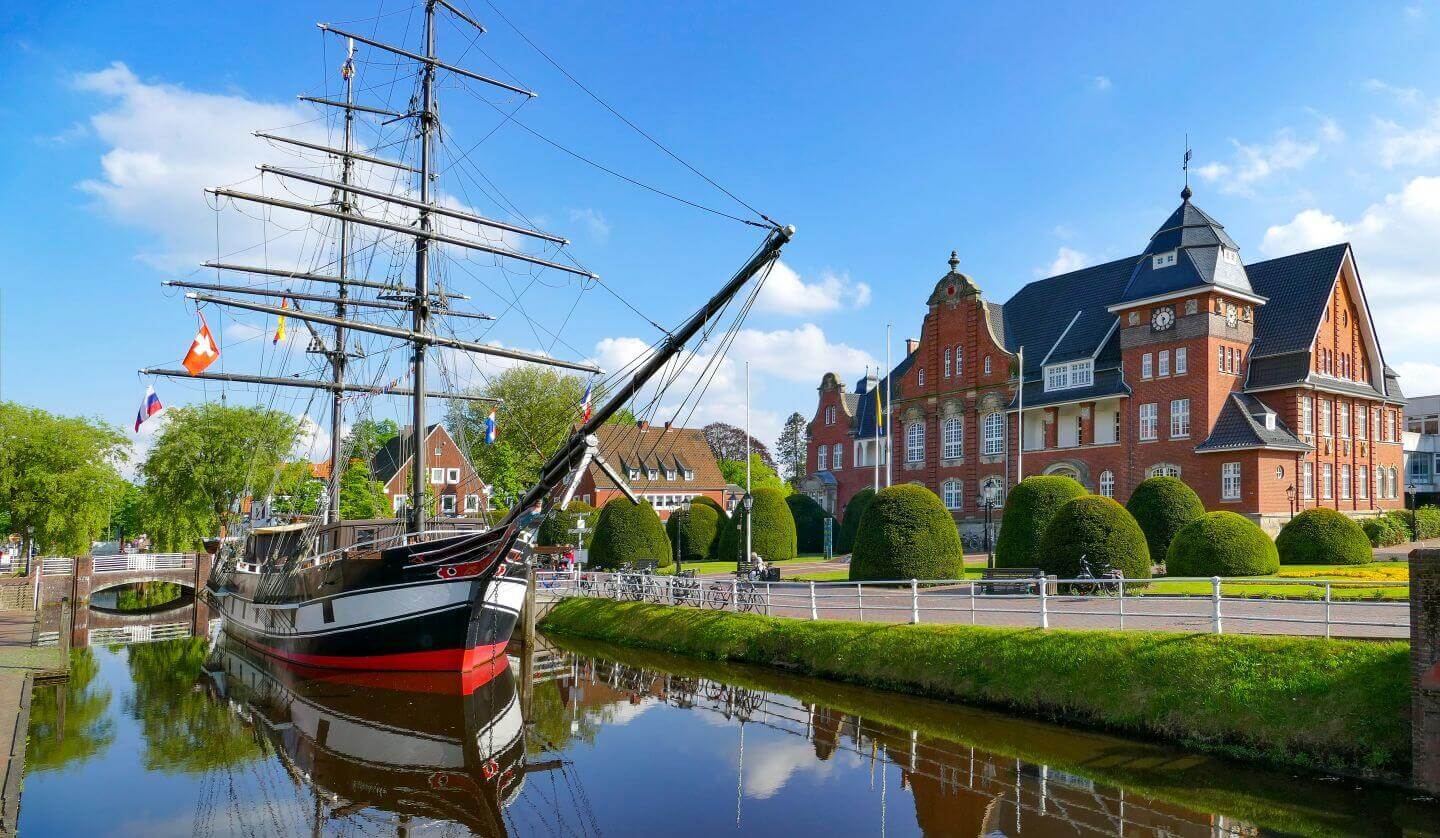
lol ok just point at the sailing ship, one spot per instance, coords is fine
(431, 594)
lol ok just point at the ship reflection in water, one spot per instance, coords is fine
(594, 740)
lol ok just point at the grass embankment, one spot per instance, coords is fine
(1318, 704)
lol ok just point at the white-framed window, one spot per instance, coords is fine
(920, 376)
(1345, 481)
(952, 438)
(915, 442)
(1379, 482)
(822, 458)
(1230, 481)
(1056, 377)
(1220, 359)
(992, 436)
(669, 473)
(959, 361)
(987, 364)
(1066, 376)
(452, 475)
(688, 474)
(1163, 470)
(1162, 260)
(472, 503)
(1164, 363)
(1180, 361)
(1231, 256)
(1307, 480)
(1179, 418)
(837, 457)
(947, 362)
(397, 502)
(1325, 428)
(1107, 483)
(1147, 365)
(447, 504)
(652, 474)
(1327, 481)
(1362, 431)
(1362, 482)
(952, 493)
(437, 477)
(1307, 415)
(1149, 421)
(1344, 420)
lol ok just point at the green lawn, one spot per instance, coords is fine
(704, 568)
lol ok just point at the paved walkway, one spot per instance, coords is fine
(1401, 552)
(21, 663)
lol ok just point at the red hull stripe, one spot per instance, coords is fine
(436, 660)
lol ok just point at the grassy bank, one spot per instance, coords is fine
(1322, 705)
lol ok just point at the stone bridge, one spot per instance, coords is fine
(77, 579)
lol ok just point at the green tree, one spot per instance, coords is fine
(185, 731)
(1099, 531)
(762, 476)
(361, 497)
(850, 524)
(629, 532)
(59, 477)
(906, 533)
(83, 731)
(1223, 544)
(791, 449)
(297, 491)
(125, 522)
(559, 527)
(1323, 536)
(207, 458)
(772, 529)
(368, 436)
(810, 520)
(694, 530)
(1032, 505)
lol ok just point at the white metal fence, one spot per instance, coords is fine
(119, 635)
(57, 566)
(144, 561)
(1311, 606)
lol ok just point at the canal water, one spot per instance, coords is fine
(186, 737)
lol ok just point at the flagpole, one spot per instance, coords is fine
(889, 412)
(875, 435)
(748, 501)
(1020, 423)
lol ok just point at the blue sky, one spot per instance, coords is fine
(1028, 140)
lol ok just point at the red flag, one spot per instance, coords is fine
(203, 350)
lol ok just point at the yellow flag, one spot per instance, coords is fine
(280, 326)
(879, 413)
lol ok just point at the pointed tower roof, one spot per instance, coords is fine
(1191, 250)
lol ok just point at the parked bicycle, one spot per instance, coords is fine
(1104, 583)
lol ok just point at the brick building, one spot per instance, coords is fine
(665, 465)
(1263, 386)
(457, 488)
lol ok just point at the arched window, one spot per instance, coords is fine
(987, 364)
(952, 493)
(993, 433)
(959, 361)
(920, 376)
(952, 436)
(915, 442)
(1107, 483)
(1163, 470)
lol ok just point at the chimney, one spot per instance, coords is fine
(667, 425)
(911, 344)
(642, 424)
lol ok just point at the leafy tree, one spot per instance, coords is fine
(83, 731)
(629, 532)
(1032, 504)
(906, 533)
(368, 436)
(59, 481)
(361, 497)
(297, 491)
(559, 528)
(810, 520)
(850, 525)
(694, 530)
(208, 458)
(762, 475)
(1224, 544)
(792, 447)
(125, 522)
(1322, 536)
(727, 442)
(772, 529)
(185, 731)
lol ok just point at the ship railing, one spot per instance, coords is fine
(1265, 605)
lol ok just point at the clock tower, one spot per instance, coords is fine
(1186, 322)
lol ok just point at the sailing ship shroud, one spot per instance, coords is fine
(349, 594)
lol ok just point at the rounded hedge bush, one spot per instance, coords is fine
(1221, 544)
(1427, 522)
(1100, 530)
(1323, 536)
(628, 532)
(772, 530)
(1031, 506)
(1161, 506)
(1384, 531)
(694, 531)
(559, 528)
(810, 520)
(906, 533)
(850, 524)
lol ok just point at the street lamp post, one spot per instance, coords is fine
(1290, 496)
(987, 502)
(746, 503)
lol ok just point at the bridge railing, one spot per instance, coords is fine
(57, 566)
(1367, 608)
(138, 634)
(126, 562)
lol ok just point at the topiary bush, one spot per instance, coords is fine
(694, 531)
(1100, 530)
(559, 527)
(1427, 522)
(628, 532)
(1385, 531)
(1221, 544)
(1323, 536)
(1029, 509)
(1161, 506)
(772, 530)
(906, 533)
(850, 524)
(810, 520)
(1405, 519)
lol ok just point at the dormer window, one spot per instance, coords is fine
(689, 475)
(1162, 260)
(1069, 376)
(1269, 421)
(1231, 256)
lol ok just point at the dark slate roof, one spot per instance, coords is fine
(1276, 370)
(863, 426)
(1198, 239)
(849, 400)
(1341, 385)
(1107, 383)
(1241, 424)
(1392, 384)
(395, 453)
(997, 320)
(1039, 313)
(1297, 288)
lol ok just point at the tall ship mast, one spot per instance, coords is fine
(412, 593)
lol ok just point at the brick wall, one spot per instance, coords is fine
(1424, 678)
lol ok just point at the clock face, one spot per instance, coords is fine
(1162, 318)
(1231, 315)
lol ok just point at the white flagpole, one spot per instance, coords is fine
(889, 413)
(1020, 423)
(747, 459)
(875, 434)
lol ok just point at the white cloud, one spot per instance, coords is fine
(769, 765)
(594, 223)
(1067, 259)
(1255, 163)
(314, 441)
(1404, 95)
(1418, 378)
(785, 292)
(1101, 83)
(1394, 242)
(1416, 145)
